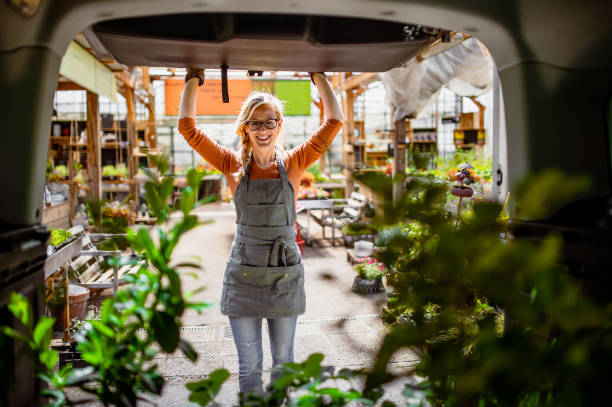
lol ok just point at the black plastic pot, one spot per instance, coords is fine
(365, 286)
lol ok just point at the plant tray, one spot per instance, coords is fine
(69, 354)
(349, 240)
(364, 286)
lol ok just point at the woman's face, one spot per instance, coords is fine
(263, 138)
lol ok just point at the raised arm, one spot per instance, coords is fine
(310, 150)
(331, 106)
(194, 78)
(220, 157)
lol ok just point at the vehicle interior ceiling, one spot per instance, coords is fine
(553, 58)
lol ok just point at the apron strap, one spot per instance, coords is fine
(282, 171)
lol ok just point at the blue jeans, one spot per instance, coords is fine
(247, 337)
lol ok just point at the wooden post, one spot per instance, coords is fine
(94, 179)
(132, 143)
(348, 133)
(150, 136)
(399, 159)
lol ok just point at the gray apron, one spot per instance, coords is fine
(264, 276)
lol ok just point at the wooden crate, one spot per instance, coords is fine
(57, 216)
(469, 121)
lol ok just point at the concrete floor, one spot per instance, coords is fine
(338, 323)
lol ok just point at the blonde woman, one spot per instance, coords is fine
(264, 276)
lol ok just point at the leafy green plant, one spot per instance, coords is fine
(109, 171)
(59, 236)
(358, 229)
(106, 217)
(369, 268)
(315, 170)
(120, 358)
(301, 384)
(62, 170)
(37, 338)
(122, 171)
(497, 322)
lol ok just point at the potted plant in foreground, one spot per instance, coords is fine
(369, 276)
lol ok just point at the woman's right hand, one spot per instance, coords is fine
(195, 73)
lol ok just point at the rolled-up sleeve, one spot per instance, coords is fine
(222, 158)
(310, 150)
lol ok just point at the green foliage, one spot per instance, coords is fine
(369, 268)
(62, 170)
(501, 322)
(315, 170)
(36, 338)
(205, 391)
(108, 218)
(539, 197)
(59, 236)
(109, 171)
(120, 358)
(358, 229)
(159, 187)
(483, 166)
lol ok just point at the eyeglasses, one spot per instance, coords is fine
(255, 125)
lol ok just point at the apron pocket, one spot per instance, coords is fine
(255, 256)
(267, 215)
(275, 279)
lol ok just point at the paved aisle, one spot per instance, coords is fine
(338, 323)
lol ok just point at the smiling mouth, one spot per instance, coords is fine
(263, 139)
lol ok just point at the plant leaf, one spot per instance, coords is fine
(165, 330)
(188, 350)
(43, 332)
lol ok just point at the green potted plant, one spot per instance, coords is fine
(62, 170)
(122, 171)
(369, 276)
(57, 239)
(109, 172)
(353, 232)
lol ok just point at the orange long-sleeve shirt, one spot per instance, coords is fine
(296, 160)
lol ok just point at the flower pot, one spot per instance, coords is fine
(365, 286)
(349, 240)
(78, 301)
(363, 248)
(78, 297)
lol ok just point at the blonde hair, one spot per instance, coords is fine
(252, 102)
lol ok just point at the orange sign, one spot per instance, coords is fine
(209, 100)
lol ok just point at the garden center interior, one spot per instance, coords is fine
(95, 189)
(450, 246)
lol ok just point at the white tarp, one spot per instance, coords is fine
(466, 69)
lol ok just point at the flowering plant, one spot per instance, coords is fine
(369, 268)
(312, 193)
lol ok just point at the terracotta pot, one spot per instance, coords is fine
(78, 301)
(78, 297)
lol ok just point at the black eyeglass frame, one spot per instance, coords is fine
(261, 123)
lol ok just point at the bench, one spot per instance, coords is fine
(87, 268)
(352, 210)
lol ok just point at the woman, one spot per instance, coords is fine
(264, 276)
